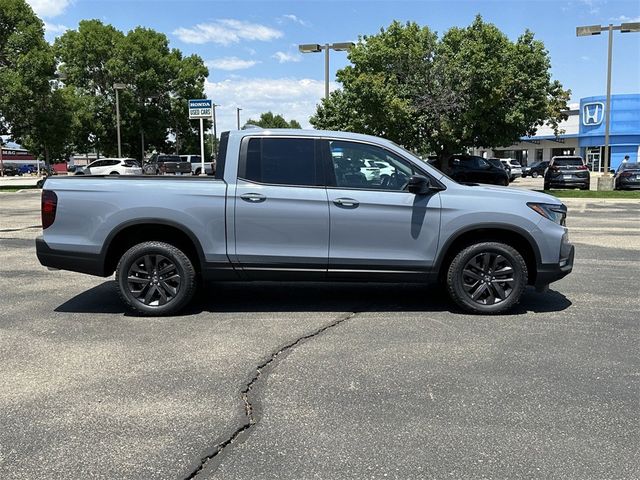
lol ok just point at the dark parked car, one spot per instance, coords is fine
(628, 176)
(160, 164)
(10, 171)
(473, 169)
(567, 172)
(535, 169)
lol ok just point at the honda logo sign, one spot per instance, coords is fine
(592, 113)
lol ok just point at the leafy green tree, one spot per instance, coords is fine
(158, 82)
(33, 108)
(269, 120)
(471, 88)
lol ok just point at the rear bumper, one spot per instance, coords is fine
(551, 272)
(93, 264)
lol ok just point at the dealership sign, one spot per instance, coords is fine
(200, 108)
(592, 113)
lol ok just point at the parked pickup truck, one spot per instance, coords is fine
(160, 164)
(196, 164)
(282, 206)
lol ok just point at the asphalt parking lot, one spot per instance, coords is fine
(344, 381)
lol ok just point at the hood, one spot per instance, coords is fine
(512, 193)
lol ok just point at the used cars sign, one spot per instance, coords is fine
(200, 108)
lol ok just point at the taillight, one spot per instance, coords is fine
(49, 206)
(582, 167)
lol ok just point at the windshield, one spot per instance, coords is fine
(568, 162)
(495, 162)
(630, 166)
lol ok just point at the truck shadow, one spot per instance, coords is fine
(310, 297)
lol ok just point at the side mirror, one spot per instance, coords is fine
(612, 171)
(419, 185)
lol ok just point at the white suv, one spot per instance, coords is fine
(112, 166)
(514, 165)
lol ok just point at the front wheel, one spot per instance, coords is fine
(534, 174)
(114, 173)
(487, 277)
(155, 278)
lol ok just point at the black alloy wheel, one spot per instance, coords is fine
(487, 277)
(155, 278)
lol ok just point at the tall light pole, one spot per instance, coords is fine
(316, 47)
(118, 86)
(238, 116)
(215, 131)
(589, 30)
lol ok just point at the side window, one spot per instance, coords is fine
(282, 161)
(114, 162)
(99, 163)
(479, 162)
(360, 165)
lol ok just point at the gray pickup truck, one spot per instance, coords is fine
(295, 205)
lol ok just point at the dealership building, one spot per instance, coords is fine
(583, 135)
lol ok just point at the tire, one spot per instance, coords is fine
(584, 187)
(157, 295)
(534, 174)
(197, 171)
(492, 272)
(114, 173)
(546, 186)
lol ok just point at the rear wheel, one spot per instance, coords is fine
(155, 278)
(198, 171)
(114, 173)
(534, 174)
(487, 277)
(546, 186)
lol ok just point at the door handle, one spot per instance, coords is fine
(346, 202)
(253, 197)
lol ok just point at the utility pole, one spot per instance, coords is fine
(238, 116)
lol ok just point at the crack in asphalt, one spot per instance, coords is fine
(19, 229)
(261, 371)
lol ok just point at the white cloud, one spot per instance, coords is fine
(625, 19)
(293, 98)
(230, 63)
(593, 5)
(292, 18)
(226, 31)
(585, 58)
(54, 28)
(48, 8)
(284, 57)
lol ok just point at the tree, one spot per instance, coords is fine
(471, 88)
(32, 106)
(153, 105)
(269, 120)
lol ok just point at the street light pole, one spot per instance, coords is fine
(238, 116)
(215, 131)
(118, 86)
(607, 110)
(589, 30)
(315, 47)
(326, 71)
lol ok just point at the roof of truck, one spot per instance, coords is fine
(257, 131)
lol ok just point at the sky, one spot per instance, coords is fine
(251, 49)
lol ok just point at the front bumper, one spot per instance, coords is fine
(93, 264)
(551, 272)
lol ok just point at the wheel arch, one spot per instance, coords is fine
(136, 231)
(516, 237)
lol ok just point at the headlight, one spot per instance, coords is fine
(551, 211)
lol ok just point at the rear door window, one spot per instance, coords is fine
(281, 161)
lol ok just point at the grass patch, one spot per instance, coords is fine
(593, 193)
